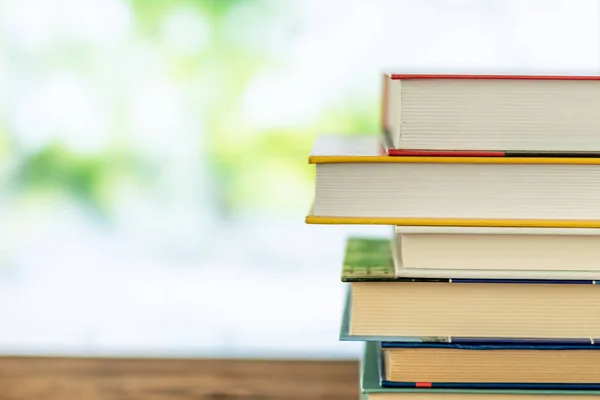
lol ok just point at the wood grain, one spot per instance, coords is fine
(152, 379)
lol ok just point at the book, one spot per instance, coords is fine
(371, 377)
(356, 183)
(491, 366)
(503, 113)
(383, 305)
(382, 258)
(506, 249)
(475, 309)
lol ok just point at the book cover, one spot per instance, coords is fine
(390, 150)
(482, 385)
(332, 149)
(484, 153)
(368, 268)
(469, 115)
(345, 335)
(497, 345)
(542, 77)
(370, 149)
(487, 230)
(371, 382)
(374, 260)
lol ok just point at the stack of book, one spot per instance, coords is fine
(487, 286)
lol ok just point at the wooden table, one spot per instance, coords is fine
(131, 379)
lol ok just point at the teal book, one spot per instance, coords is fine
(371, 389)
(387, 307)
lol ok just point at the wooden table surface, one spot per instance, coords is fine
(131, 379)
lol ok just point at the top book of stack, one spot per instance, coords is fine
(491, 115)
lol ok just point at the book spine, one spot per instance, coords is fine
(479, 341)
(489, 76)
(528, 281)
(492, 385)
(513, 344)
(527, 341)
(483, 153)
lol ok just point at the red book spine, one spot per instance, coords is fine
(445, 153)
(520, 77)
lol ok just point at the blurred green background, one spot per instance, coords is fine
(153, 158)
(102, 95)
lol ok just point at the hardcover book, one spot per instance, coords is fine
(490, 252)
(356, 183)
(491, 115)
(491, 365)
(384, 306)
(371, 378)
(386, 257)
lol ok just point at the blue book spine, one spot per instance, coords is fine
(506, 345)
(499, 341)
(492, 385)
(528, 281)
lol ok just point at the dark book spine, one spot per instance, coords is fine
(484, 153)
(529, 281)
(499, 344)
(528, 341)
(557, 154)
(492, 385)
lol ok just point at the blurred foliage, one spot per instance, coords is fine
(56, 170)
(251, 167)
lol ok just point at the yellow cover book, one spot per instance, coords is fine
(357, 183)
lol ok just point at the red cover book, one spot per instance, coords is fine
(498, 76)
(494, 116)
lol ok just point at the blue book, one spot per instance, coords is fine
(523, 366)
(373, 386)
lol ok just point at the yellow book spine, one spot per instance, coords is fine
(528, 223)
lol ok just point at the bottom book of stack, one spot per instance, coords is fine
(376, 386)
